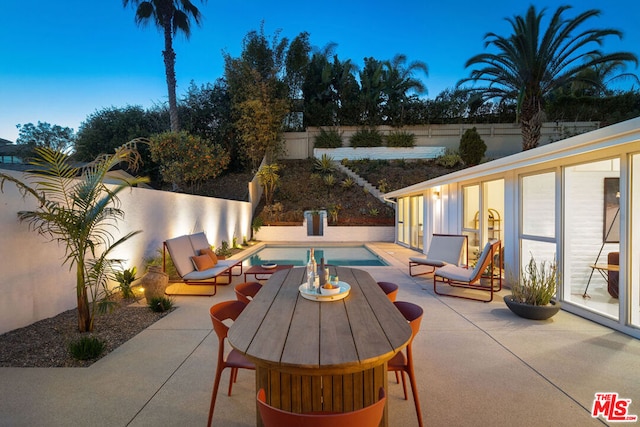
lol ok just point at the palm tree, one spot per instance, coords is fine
(81, 214)
(399, 81)
(171, 17)
(532, 62)
(595, 81)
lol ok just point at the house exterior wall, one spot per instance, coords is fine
(578, 231)
(36, 286)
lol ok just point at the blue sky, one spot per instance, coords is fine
(62, 61)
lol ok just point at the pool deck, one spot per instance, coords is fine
(477, 364)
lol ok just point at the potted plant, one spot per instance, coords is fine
(532, 294)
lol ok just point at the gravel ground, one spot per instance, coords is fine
(44, 343)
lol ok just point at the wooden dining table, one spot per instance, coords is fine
(320, 355)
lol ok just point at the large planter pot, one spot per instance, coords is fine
(154, 283)
(534, 312)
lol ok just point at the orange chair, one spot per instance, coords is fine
(390, 289)
(247, 290)
(404, 363)
(365, 417)
(227, 310)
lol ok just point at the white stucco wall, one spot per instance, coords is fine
(34, 285)
(335, 234)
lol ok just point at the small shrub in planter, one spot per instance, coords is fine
(328, 139)
(472, 147)
(86, 348)
(366, 138)
(401, 139)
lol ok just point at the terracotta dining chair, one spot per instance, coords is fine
(221, 312)
(247, 290)
(365, 417)
(403, 363)
(390, 289)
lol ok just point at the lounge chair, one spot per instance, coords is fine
(470, 279)
(196, 263)
(444, 249)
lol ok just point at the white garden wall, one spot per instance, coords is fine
(34, 285)
(502, 139)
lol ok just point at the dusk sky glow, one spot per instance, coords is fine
(62, 61)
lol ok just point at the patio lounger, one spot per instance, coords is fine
(444, 249)
(470, 279)
(194, 262)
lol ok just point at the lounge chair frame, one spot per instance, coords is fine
(459, 277)
(434, 259)
(182, 248)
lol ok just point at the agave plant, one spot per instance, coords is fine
(78, 211)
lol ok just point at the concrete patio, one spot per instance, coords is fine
(477, 365)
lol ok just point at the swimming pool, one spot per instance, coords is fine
(351, 255)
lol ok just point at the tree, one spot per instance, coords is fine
(205, 111)
(259, 97)
(398, 83)
(269, 180)
(81, 215)
(187, 159)
(45, 135)
(472, 147)
(107, 129)
(372, 91)
(171, 17)
(532, 62)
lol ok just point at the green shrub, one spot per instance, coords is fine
(86, 348)
(160, 304)
(224, 249)
(401, 139)
(328, 139)
(366, 138)
(125, 278)
(472, 147)
(450, 159)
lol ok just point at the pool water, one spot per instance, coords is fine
(299, 255)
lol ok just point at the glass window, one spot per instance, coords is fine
(591, 242)
(539, 205)
(634, 242)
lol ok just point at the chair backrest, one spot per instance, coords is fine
(365, 417)
(199, 241)
(413, 313)
(486, 258)
(226, 310)
(390, 290)
(246, 290)
(181, 251)
(447, 248)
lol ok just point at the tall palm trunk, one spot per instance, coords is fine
(84, 316)
(170, 70)
(531, 122)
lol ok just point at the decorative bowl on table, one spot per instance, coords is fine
(329, 289)
(269, 265)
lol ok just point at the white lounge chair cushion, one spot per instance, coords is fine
(222, 266)
(453, 272)
(443, 250)
(181, 251)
